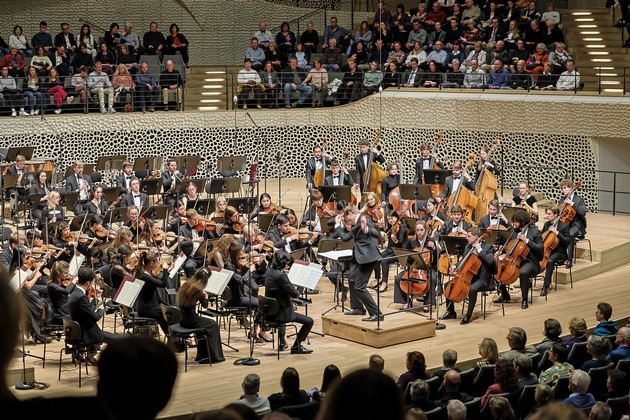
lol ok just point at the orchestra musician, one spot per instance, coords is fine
(220, 207)
(123, 237)
(170, 178)
(456, 226)
(493, 219)
(424, 162)
(390, 182)
(177, 216)
(525, 200)
(81, 183)
(338, 176)
(119, 265)
(41, 186)
(284, 236)
(191, 196)
(60, 285)
(318, 161)
(563, 233)
(148, 303)
(233, 222)
(19, 169)
(488, 164)
(66, 240)
(482, 279)
(220, 253)
(524, 230)
(278, 286)
(135, 197)
(317, 210)
(264, 205)
(153, 236)
(35, 241)
(90, 239)
(413, 244)
(365, 257)
(189, 247)
(451, 184)
(361, 161)
(432, 213)
(53, 212)
(135, 222)
(123, 180)
(97, 205)
(577, 227)
(397, 238)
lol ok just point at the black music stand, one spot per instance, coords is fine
(150, 186)
(338, 193)
(436, 176)
(182, 186)
(88, 169)
(116, 215)
(99, 253)
(298, 254)
(12, 152)
(230, 166)
(223, 185)
(203, 206)
(326, 228)
(499, 237)
(244, 205)
(508, 212)
(111, 194)
(143, 167)
(327, 245)
(413, 260)
(109, 164)
(156, 212)
(265, 220)
(186, 164)
(8, 182)
(30, 202)
(411, 222)
(69, 199)
(80, 221)
(49, 231)
(419, 193)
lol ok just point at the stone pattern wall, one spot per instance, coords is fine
(561, 142)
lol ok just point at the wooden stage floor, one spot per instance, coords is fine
(206, 387)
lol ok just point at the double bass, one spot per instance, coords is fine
(457, 289)
(486, 185)
(374, 175)
(436, 189)
(464, 198)
(509, 263)
(320, 175)
(402, 207)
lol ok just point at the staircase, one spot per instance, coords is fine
(207, 88)
(597, 47)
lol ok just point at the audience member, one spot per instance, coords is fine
(517, 340)
(416, 369)
(488, 352)
(251, 398)
(499, 77)
(415, 413)
(449, 359)
(505, 380)
(600, 411)
(598, 347)
(286, 40)
(603, 315)
(577, 331)
(376, 362)
(310, 38)
(552, 331)
(558, 411)
(569, 79)
(291, 393)
(523, 365)
(153, 41)
(255, 54)
(623, 350)
(578, 384)
(14, 62)
(616, 385)
(42, 38)
(60, 60)
(330, 378)
(131, 40)
(501, 409)
(542, 395)
(176, 42)
(456, 410)
(18, 40)
(99, 83)
(341, 35)
(419, 394)
(263, 34)
(147, 89)
(452, 379)
(558, 354)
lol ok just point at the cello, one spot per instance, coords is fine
(464, 198)
(550, 242)
(486, 185)
(415, 282)
(457, 289)
(320, 175)
(509, 263)
(374, 175)
(402, 207)
(567, 212)
(447, 260)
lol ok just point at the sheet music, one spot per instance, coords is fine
(128, 291)
(305, 275)
(336, 255)
(18, 278)
(75, 263)
(218, 281)
(177, 265)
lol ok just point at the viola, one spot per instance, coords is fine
(303, 233)
(457, 289)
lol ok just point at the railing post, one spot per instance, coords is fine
(614, 200)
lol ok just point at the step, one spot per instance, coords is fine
(565, 13)
(608, 253)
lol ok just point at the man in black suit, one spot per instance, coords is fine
(362, 160)
(318, 162)
(19, 169)
(60, 60)
(170, 179)
(8, 256)
(135, 197)
(482, 280)
(82, 184)
(123, 179)
(413, 75)
(365, 257)
(452, 379)
(577, 227)
(563, 233)
(426, 161)
(338, 176)
(452, 182)
(278, 286)
(193, 241)
(530, 266)
(493, 218)
(66, 39)
(456, 225)
(87, 313)
(280, 235)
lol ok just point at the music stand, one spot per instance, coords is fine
(182, 186)
(298, 254)
(186, 163)
(326, 228)
(150, 186)
(148, 164)
(156, 212)
(499, 237)
(10, 181)
(327, 245)
(26, 151)
(100, 251)
(223, 185)
(87, 170)
(50, 231)
(111, 194)
(81, 221)
(230, 166)
(411, 223)
(508, 212)
(69, 199)
(338, 193)
(203, 206)
(413, 260)
(110, 163)
(435, 176)
(243, 205)
(265, 220)
(116, 215)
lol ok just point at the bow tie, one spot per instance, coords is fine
(128, 177)
(493, 218)
(456, 177)
(136, 196)
(336, 176)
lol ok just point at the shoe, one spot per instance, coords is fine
(205, 362)
(620, 23)
(244, 107)
(524, 305)
(103, 110)
(300, 350)
(13, 113)
(373, 318)
(287, 106)
(500, 299)
(294, 105)
(374, 285)
(111, 110)
(91, 360)
(543, 291)
(70, 99)
(37, 112)
(283, 346)
(265, 339)
(144, 110)
(151, 109)
(344, 294)
(569, 264)
(23, 113)
(165, 108)
(448, 315)
(465, 320)
(58, 111)
(32, 113)
(312, 291)
(382, 289)
(355, 312)
(257, 339)
(258, 106)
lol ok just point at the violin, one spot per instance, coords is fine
(303, 233)
(457, 289)
(326, 210)
(205, 224)
(93, 291)
(273, 209)
(101, 232)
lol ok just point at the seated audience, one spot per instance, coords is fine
(603, 315)
(251, 398)
(598, 347)
(558, 354)
(517, 340)
(505, 380)
(449, 360)
(523, 365)
(622, 352)
(578, 384)
(416, 369)
(176, 42)
(488, 352)
(577, 331)
(291, 393)
(452, 380)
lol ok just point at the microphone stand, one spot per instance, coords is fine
(261, 143)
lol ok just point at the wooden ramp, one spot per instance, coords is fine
(396, 328)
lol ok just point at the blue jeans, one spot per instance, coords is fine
(305, 91)
(32, 94)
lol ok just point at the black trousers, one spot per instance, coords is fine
(307, 325)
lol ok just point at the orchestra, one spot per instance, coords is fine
(131, 244)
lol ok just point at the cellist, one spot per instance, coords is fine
(527, 232)
(525, 200)
(482, 280)
(562, 232)
(456, 226)
(494, 219)
(362, 160)
(577, 226)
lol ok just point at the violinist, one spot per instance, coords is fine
(396, 238)
(40, 252)
(318, 162)
(192, 242)
(482, 280)
(318, 209)
(373, 208)
(456, 226)
(451, 184)
(577, 227)
(526, 231)
(135, 222)
(233, 222)
(123, 180)
(121, 264)
(493, 219)
(425, 161)
(41, 186)
(559, 253)
(66, 240)
(148, 302)
(221, 251)
(338, 176)
(135, 198)
(90, 239)
(220, 207)
(97, 205)
(60, 285)
(525, 200)
(362, 160)
(53, 212)
(390, 182)
(191, 196)
(177, 216)
(414, 244)
(293, 219)
(33, 301)
(340, 207)
(153, 236)
(123, 237)
(284, 236)
(259, 250)
(264, 206)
